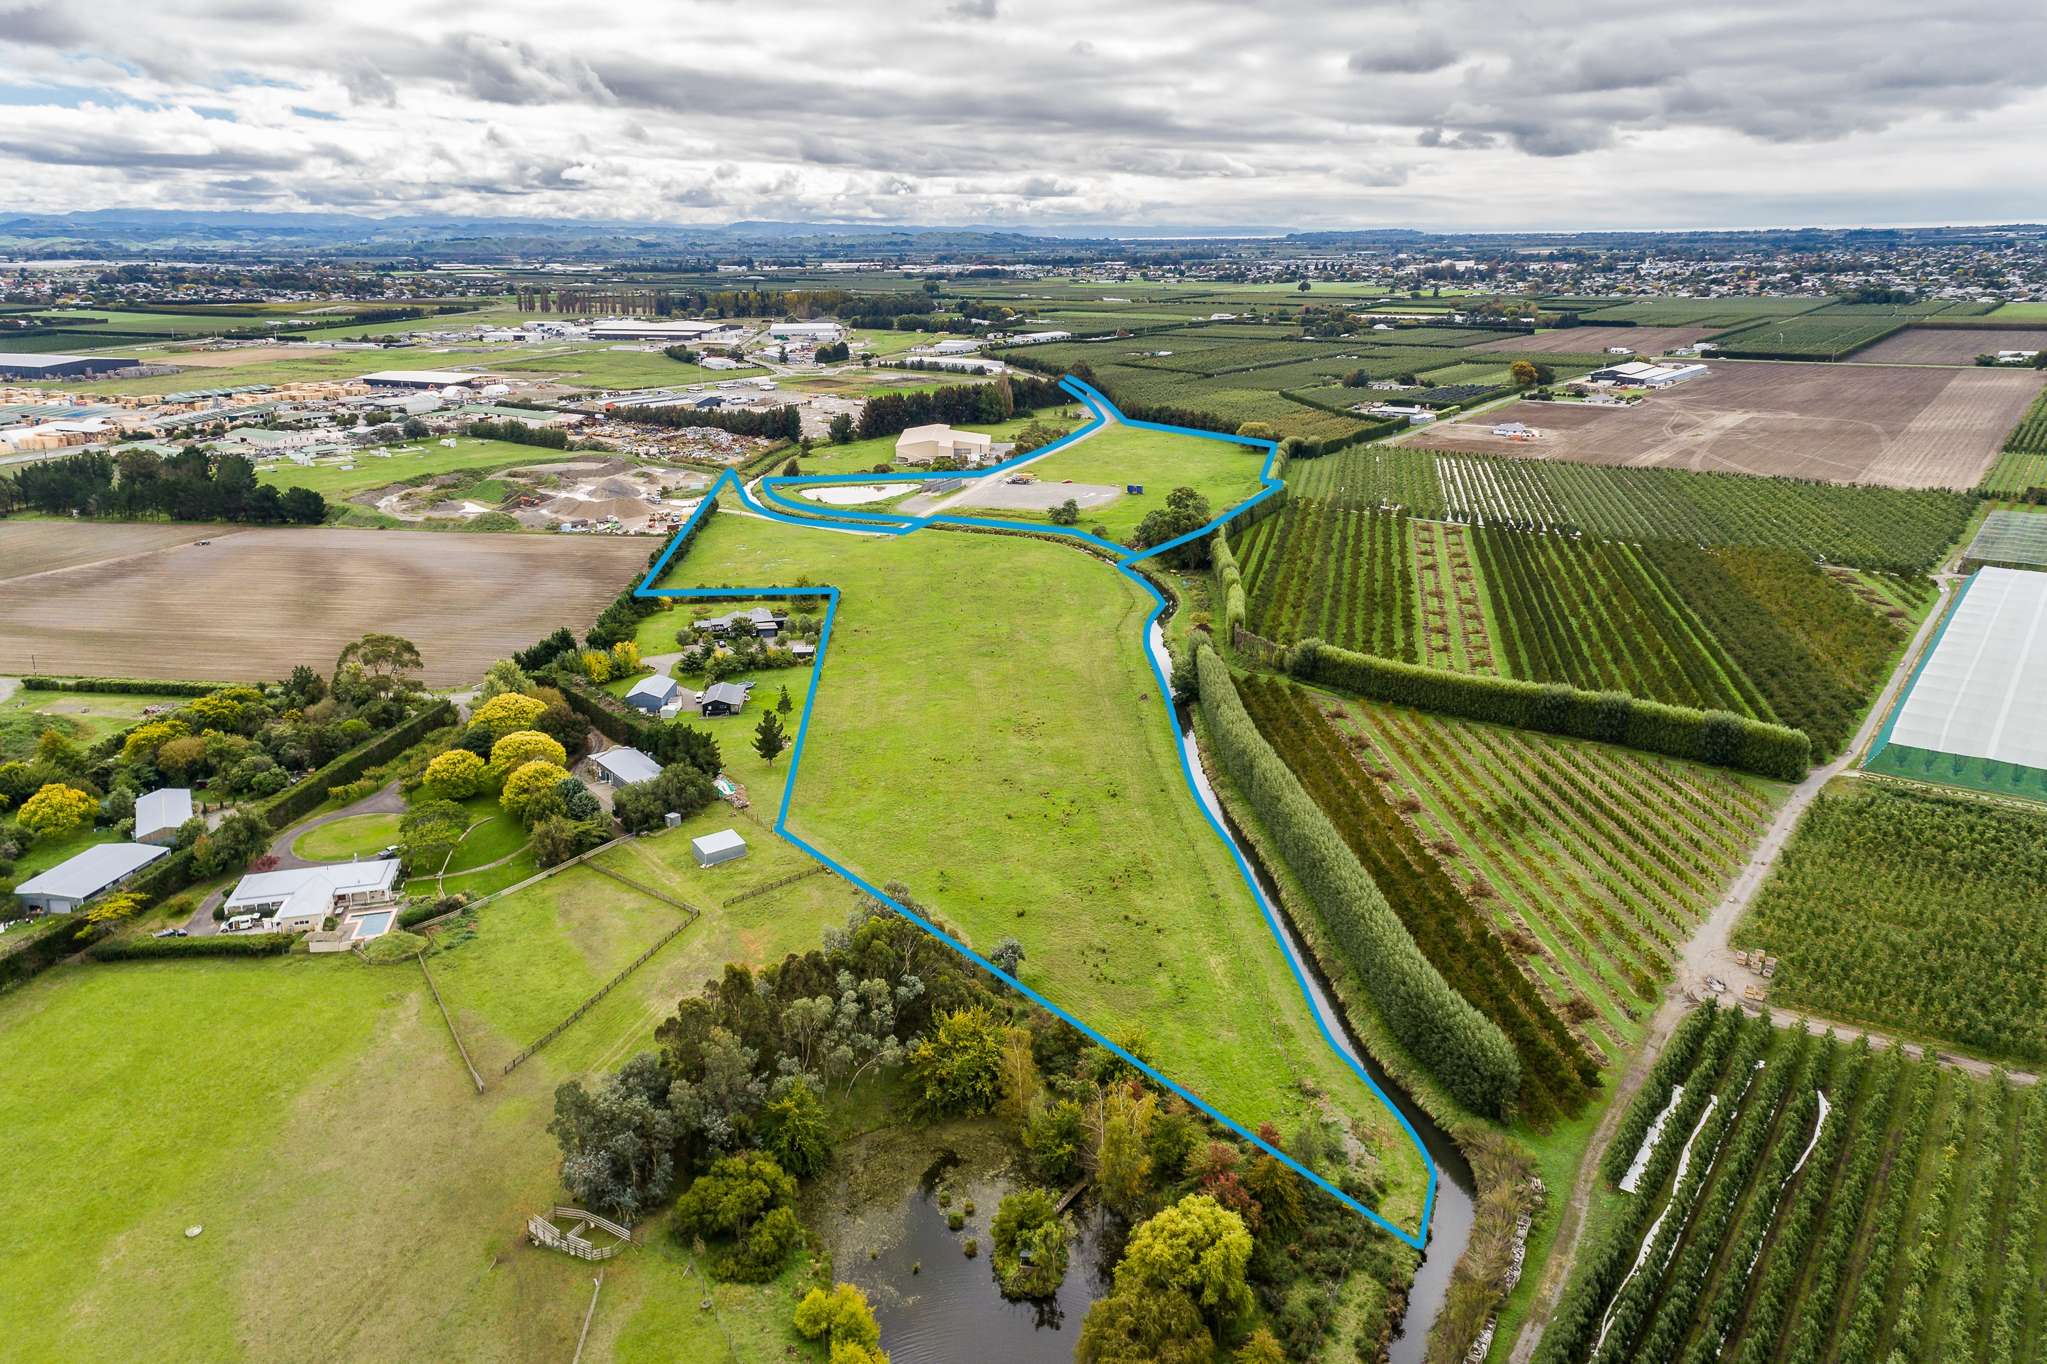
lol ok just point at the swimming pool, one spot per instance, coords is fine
(370, 925)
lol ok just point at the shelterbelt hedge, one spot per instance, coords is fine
(1709, 736)
(1461, 1048)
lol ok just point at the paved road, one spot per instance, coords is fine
(1706, 954)
(8, 686)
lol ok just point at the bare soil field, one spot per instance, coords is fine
(1593, 340)
(1902, 428)
(1947, 345)
(31, 547)
(254, 603)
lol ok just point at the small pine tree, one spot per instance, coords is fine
(783, 705)
(769, 738)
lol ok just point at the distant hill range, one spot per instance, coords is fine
(207, 234)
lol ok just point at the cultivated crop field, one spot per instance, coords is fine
(1592, 862)
(1805, 1200)
(1916, 912)
(1893, 530)
(1948, 345)
(1592, 340)
(1556, 1071)
(254, 603)
(29, 547)
(1918, 428)
(1757, 632)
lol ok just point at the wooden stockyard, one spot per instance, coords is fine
(545, 1230)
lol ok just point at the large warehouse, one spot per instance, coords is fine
(21, 365)
(1975, 714)
(421, 378)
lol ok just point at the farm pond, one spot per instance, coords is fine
(887, 1229)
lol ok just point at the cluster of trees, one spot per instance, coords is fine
(889, 414)
(520, 433)
(832, 353)
(735, 1099)
(1185, 512)
(191, 485)
(769, 423)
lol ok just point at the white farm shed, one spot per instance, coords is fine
(724, 846)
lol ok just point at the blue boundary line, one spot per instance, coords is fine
(882, 523)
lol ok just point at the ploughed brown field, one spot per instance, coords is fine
(1595, 340)
(1948, 345)
(149, 601)
(1902, 428)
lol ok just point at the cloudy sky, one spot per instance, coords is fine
(1446, 114)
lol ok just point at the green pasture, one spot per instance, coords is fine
(375, 468)
(1224, 472)
(988, 731)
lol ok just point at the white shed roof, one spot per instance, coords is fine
(329, 880)
(86, 874)
(165, 809)
(1982, 693)
(725, 840)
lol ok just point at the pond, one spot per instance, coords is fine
(935, 1303)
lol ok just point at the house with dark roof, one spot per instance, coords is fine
(756, 621)
(724, 698)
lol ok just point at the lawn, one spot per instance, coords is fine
(314, 366)
(987, 730)
(1224, 472)
(358, 1151)
(344, 840)
(376, 468)
(601, 366)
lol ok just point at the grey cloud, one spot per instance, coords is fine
(974, 9)
(1406, 55)
(45, 25)
(367, 85)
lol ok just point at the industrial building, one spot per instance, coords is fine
(655, 329)
(420, 378)
(19, 365)
(1638, 374)
(806, 333)
(69, 884)
(924, 444)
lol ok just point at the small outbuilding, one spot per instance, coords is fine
(624, 766)
(724, 846)
(158, 814)
(69, 884)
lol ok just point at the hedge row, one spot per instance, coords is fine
(218, 945)
(1466, 1053)
(608, 715)
(129, 685)
(1229, 584)
(31, 955)
(1710, 736)
(296, 802)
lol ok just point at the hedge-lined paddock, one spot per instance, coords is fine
(127, 686)
(217, 945)
(1716, 737)
(1459, 1046)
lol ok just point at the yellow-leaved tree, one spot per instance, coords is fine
(529, 780)
(57, 811)
(457, 774)
(525, 746)
(506, 712)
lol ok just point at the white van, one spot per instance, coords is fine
(242, 923)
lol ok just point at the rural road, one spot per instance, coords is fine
(1706, 954)
(8, 686)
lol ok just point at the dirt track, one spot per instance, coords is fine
(1896, 426)
(253, 603)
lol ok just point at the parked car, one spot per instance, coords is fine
(170, 933)
(389, 852)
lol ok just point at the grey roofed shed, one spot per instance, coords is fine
(723, 846)
(652, 693)
(624, 766)
(77, 879)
